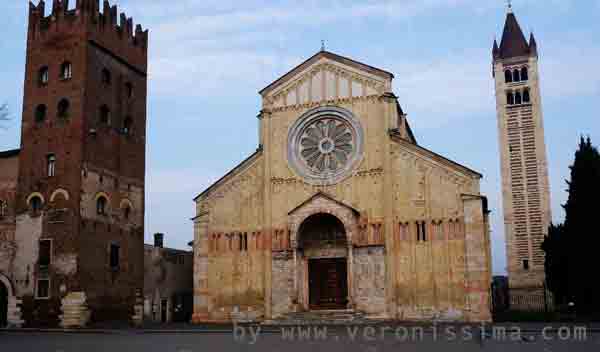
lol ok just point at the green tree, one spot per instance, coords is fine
(572, 249)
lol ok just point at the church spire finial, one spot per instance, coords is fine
(509, 8)
(322, 45)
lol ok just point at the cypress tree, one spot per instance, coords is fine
(581, 235)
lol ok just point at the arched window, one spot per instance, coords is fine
(101, 205)
(526, 96)
(63, 108)
(524, 74)
(510, 98)
(508, 76)
(516, 76)
(106, 77)
(40, 113)
(35, 204)
(129, 90)
(518, 98)
(127, 125)
(43, 76)
(66, 70)
(104, 115)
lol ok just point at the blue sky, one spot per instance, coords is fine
(208, 60)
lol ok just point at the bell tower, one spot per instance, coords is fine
(525, 186)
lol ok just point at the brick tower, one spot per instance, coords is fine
(525, 187)
(80, 193)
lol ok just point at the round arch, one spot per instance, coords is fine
(35, 194)
(59, 191)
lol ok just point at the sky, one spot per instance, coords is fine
(208, 60)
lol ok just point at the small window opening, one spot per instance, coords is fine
(129, 90)
(524, 74)
(40, 113)
(35, 204)
(526, 96)
(66, 70)
(516, 76)
(43, 76)
(526, 264)
(101, 206)
(63, 109)
(508, 76)
(518, 98)
(510, 98)
(127, 125)
(51, 161)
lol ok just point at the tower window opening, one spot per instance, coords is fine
(526, 264)
(127, 212)
(526, 96)
(518, 98)
(105, 115)
(421, 231)
(66, 70)
(508, 76)
(63, 108)
(51, 164)
(524, 74)
(510, 98)
(516, 76)
(43, 76)
(45, 253)
(35, 204)
(40, 113)
(3, 208)
(101, 206)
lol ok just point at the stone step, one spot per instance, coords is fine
(329, 317)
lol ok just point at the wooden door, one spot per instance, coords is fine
(328, 284)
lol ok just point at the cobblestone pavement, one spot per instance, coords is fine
(345, 339)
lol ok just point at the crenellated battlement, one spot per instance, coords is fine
(86, 14)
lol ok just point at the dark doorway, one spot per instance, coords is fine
(164, 304)
(3, 305)
(328, 283)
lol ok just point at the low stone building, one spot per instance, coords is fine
(167, 283)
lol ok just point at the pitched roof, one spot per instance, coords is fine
(331, 56)
(324, 195)
(513, 42)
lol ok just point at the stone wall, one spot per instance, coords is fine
(282, 291)
(369, 280)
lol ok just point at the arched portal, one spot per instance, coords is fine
(323, 246)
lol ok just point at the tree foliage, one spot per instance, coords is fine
(572, 248)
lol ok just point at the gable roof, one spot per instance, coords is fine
(324, 195)
(329, 55)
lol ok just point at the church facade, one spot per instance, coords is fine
(341, 209)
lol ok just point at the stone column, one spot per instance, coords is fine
(14, 313)
(138, 310)
(75, 311)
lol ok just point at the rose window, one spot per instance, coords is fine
(325, 144)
